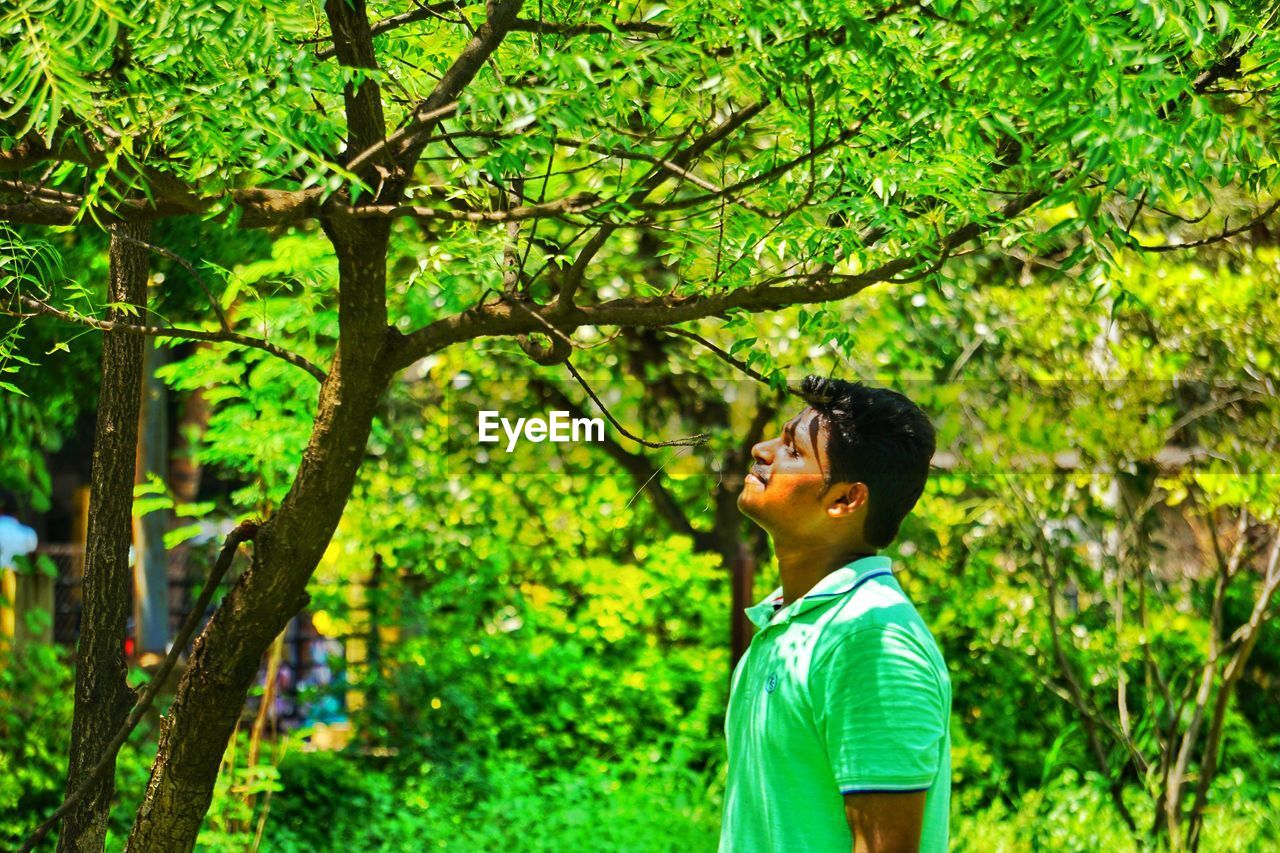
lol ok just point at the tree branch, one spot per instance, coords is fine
(1248, 637)
(422, 13)
(1227, 234)
(32, 150)
(732, 190)
(500, 16)
(568, 205)
(501, 318)
(353, 45)
(573, 277)
(1076, 697)
(190, 268)
(44, 309)
(642, 471)
(692, 440)
(260, 208)
(551, 28)
(718, 353)
(836, 36)
(1226, 565)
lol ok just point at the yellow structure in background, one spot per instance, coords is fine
(24, 592)
(8, 594)
(356, 630)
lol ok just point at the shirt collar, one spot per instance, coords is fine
(834, 585)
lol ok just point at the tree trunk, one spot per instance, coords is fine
(103, 697)
(289, 545)
(226, 657)
(739, 552)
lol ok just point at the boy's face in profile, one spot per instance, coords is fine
(784, 492)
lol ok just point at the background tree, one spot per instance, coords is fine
(103, 697)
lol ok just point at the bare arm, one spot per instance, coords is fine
(885, 822)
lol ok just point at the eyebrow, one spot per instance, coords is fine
(789, 431)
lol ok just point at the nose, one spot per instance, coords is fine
(762, 451)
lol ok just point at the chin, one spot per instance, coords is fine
(748, 507)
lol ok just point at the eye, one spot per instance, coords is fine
(791, 448)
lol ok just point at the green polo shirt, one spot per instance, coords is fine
(841, 691)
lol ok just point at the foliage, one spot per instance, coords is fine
(340, 802)
(493, 639)
(262, 407)
(1071, 813)
(38, 412)
(33, 735)
(36, 690)
(243, 795)
(897, 121)
(538, 649)
(332, 802)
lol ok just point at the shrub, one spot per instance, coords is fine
(37, 690)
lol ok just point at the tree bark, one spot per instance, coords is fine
(102, 695)
(226, 657)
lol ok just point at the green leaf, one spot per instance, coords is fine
(178, 535)
(145, 506)
(194, 510)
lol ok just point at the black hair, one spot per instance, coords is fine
(878, 437)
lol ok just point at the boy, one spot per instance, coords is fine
(838, 725)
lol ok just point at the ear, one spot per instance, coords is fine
(847, 499)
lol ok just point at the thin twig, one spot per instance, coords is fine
(571, 204)
(1226, 234)
(178, 259)
(47, 310)
(693, 440)
(719, 353)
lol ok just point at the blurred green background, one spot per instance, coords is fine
(551, 655)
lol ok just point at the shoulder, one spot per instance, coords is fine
(877, 622)
(877, 645)
(877, 606)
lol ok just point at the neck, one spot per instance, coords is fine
(803, 564)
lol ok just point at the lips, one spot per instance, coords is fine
(759, 473)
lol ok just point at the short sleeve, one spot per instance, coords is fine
(880, 710)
